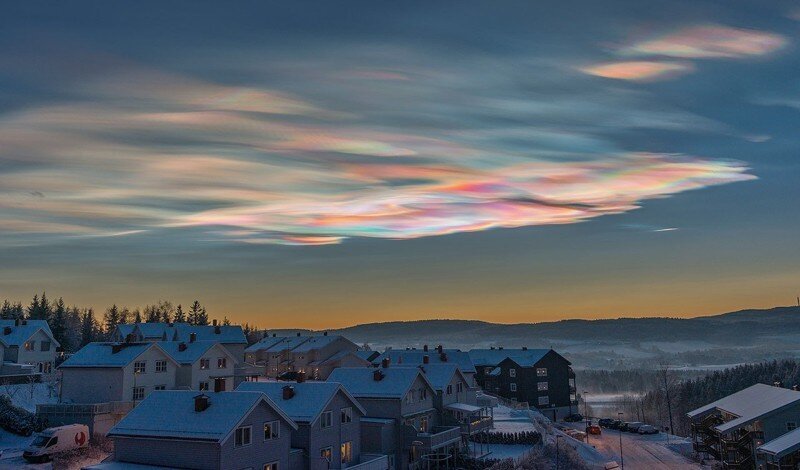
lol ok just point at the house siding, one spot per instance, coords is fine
(150, 378)
(316, 438)
(168, 453)
(91, 385)
(37, 356)
(261, 451)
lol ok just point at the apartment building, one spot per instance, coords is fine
(229, 336)
(313, 356)
(438, 355)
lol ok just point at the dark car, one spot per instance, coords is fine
(605, 422)
(574, 418)
(624, 426)
(615, 424)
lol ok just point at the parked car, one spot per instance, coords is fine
(647, 429)
(52, 441)
(615, 424)
(605, 422)
(634, 427)
(623, 426)
(593, 429)
(574, 418)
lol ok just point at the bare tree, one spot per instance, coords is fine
(667, 383)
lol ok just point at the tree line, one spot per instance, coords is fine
(74, 327)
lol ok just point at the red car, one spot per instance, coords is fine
(593, 429)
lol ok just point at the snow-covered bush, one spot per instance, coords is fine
(17, 420)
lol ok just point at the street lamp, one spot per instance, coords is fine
(586, 414)
(621, 460)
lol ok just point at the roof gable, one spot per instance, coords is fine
(194, 350)
(415, 357)
(19, 334)
(523, 357)
(110, 355)
(361, 383)
(309, 401)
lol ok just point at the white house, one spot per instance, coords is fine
(28, 342)
(204, 365)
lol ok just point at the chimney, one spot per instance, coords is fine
(182, 347)
(217, 329)
(24, 321)
(301, 377)
(426, 359)
(325, 333)
(425, 348)
(524, 348)
(385, 363)
(115, 348)
(16, 321)
(274, 335)
(439, 348)
(443, 357)
(298, 333)
(377, 375)
(192, 337)
(288, 392)
(7, 330)
(201, 403)
(129, 338)
(170, 324)
(492, 348)
(500, 348)
(214, 322)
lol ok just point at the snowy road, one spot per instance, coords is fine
(641, 452)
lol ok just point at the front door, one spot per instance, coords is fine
(219, 385)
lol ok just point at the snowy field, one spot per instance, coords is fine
(27, 396)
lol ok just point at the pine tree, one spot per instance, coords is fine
(111, 319)
(137, 316)
(5, 310)
(73, 330)
(33, 308)
(225, 321)
(88, 327)
(202, 317)
(124, 315)
(180, 317)
(196, 311)
(151, 314)
(58, 324)
(45, 309)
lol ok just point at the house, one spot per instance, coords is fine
(203, 365)
(732, 428)
(541, 377)
(314, 356)
(401, 419)
(456, 400)
(229, 336)
(416, 357)
(29, 342)
(181, 429)
(329, 423)
(111, 372)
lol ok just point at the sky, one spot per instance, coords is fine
(322, 164)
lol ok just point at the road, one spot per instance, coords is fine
(641, 452)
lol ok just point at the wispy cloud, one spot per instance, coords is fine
(639, 70)
(709, 41)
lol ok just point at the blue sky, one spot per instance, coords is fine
(322, 164)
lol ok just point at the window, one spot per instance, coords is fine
(423, 424)
(160, 387)
(29, 345)
(242, 436)
(450, 389)
(545, 400)
(272, 430)
(513, 386)
(327, 419)
(347, 415)
(45, 346)
(791, 426)
(271, 466)
(512, 372)
(222, 363)
(573, 397)
(205, 363)
(326, 453)
(53, 441)
(572, 383)
(161, 366)
(410, 397)
(202, 386)
(541, 386)
(138, 393)
(459, 387)
(423, 393)
(541, 372)
(487, 370)
(139, 367)
(347, 451)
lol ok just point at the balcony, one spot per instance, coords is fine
(370, 462)
(477, 424)
(439, 436)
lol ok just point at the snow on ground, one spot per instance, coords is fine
(11, 446)
(27, 396)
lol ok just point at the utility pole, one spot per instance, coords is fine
(621, 460)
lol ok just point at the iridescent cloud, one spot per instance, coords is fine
(710, 41)
(638, 70)
(259, 166)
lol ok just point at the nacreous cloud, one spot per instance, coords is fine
(259, 166)
(710, 41)
(638, 70)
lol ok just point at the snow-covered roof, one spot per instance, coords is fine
(366, 419)
(114, 465)
(414, 357)
(309, 400)
(108, 354)
(317, 342)
(193, 351)
(361, 383)
(227, 334)
(154, 330)
(171, 414)
(440, 375)
(124, 329)
(341, 355)
(287, 343)
(463, 407)
(302, 343)
(21, 333)
(783, 445)
(749, 404)
(264, 344)
(367, 355)
(493, 357)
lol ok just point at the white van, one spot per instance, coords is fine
(54, 440)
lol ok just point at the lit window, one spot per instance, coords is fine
(513, 387)
(139, 367)
(271, 466)
(541, 372)
(541, 386)
(222, 363)
(347, 451)
(272, 430)
(138, 393)
(347, 415)
(326, 453)
(512, 372)
(161, 366)
(29, 345)
(242, 436)
(327, 420)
